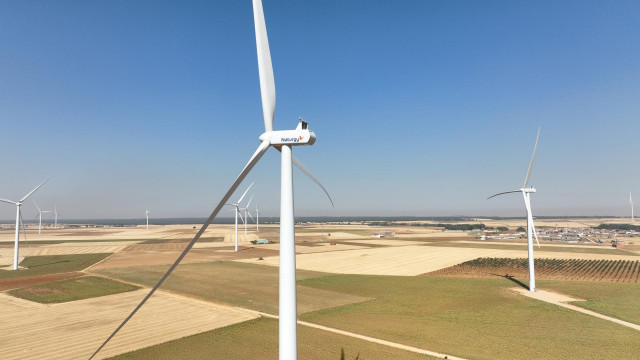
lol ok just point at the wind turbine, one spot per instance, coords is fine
(247, 214)
(631, 204)
(236, 207)
(257, 217)
(40, 212)
(531, 230)
(56, 213)
(19, 220)
(147, 212)
(283, 141)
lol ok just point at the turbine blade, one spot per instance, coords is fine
(8, 201)
(34, 203)
(502, 193)
(245, 193)
(251, 198)
(299, 165)
(241, 218)
(265, 68)
(535, 233)
(245, 171)
(34, 190)
(249, 214)
(24, 231)
(535, 147)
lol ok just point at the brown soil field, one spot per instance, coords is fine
(626, 271)
(155, 256)
(74, 330)
(6, 284)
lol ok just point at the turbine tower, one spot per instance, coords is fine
(247, 214)
(236, 207)
(56, 213)
(631, 204)
(40, 212)
(531, 230)
(283, 141)
(147, 212)
(257, 217)
(19, 220)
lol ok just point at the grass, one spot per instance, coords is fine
(72, 289)
(258, 339)
(565, 249)
(473, 318)
(249, 286)
(617, 300)
(51, 242)
(52, 264)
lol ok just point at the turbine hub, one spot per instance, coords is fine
(528, 190)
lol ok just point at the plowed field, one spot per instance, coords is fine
(626, 271)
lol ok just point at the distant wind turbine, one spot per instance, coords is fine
(531, 230)
(283, 141)
(631, 204)
(56, 214)
(236, 206)
(147, 212)
(247, 214)
(257, 217)
(40, 212)
(19, 221)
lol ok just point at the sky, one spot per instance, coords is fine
(420, 107)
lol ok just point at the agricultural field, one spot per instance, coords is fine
(52, 264)
(258, 339)
(625, 271)
(468, 317)
(72, 289)
(618, 300)
(245, 285)
(544, 249)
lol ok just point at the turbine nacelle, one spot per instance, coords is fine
(300, 136)
(528, 190)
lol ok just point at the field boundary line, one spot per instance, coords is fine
(363, 337)
(561, 300)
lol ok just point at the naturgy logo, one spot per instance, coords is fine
(291, 139)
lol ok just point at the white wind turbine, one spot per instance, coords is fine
(257, 217)
(531, 230)
(56, 214)
(40, 212)
(147, 212)
(283, 141)
(236, 207)
(631, 204)
(247, 214)
(19, 220)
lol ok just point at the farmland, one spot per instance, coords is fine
(53, 264)
(257, 339)
(468, 317)
(72, 289)
(625, 271)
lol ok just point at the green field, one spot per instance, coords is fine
(618, 300)
(51, 242)
(579, 250)
(258, 339)
(473, 318)
(246, 285)
(72, 289)
(52, 264)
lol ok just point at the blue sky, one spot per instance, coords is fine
(421, 108)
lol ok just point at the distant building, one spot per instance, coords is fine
(383, 234)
